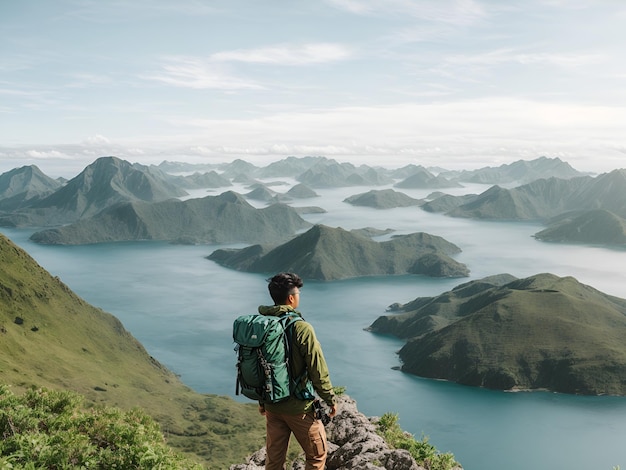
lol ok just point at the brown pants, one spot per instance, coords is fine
(309, 432)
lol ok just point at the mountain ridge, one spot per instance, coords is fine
(107, 181)
(225, 218)
(327, 253)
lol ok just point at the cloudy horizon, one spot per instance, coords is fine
(450, 83)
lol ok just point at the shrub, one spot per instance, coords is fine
(48, 429)
(424, 453)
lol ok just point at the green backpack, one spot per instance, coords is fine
(263, 346)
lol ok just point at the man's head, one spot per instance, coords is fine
(285, 289)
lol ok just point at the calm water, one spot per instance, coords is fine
(181, 307)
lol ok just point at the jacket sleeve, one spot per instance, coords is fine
(317, 369)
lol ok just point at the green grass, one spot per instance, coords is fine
(50, 429)
(424, 453)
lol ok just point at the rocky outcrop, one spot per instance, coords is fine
(353, 445)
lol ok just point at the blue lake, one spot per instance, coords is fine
(181, 307)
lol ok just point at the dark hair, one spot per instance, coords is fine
(281, 285)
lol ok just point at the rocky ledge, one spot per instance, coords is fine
(353, 445)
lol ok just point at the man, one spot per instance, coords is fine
(296, 414)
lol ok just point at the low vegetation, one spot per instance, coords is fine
(50, 429)
(424, 453)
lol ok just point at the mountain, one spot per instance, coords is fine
(597, 226)
(546, 198)
(539, 200)
(606, 191)
(521, 171)
(424, 179)
(301, 191)
(541, 332)
(184, 167)
(327, 253)
(510, 204)
(209, 179)
(238, 168)
(290, 166)
(102, 184)
(446, 203)
(22, 186)
(330, 174)
(227, 218)
(368, 176)
(382, 199)
(50, 337)
(261, 193)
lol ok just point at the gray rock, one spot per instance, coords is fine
(353, 445)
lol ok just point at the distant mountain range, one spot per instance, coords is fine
(521, 171)
(424, 179)
(333, 175)
(227, 218)
(324, 172)
(327, 253)
(22, 186)
(541, 332)
(105, 182)
(117, 195)
(580, 210)
(541, 199)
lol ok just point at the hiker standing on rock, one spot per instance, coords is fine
(296, 414)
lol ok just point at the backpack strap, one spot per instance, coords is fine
(289, 332)
(288, 319)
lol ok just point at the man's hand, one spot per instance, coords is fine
(333, 411)
(262, 410)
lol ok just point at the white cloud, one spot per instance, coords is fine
(464, 133)
(457, 12)
(501, 56)
(189, 72)
(97, 140)
(287, 54)
(45, 154)
(214, 73)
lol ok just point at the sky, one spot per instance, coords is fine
(458, 84)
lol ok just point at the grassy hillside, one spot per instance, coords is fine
(593, 226)
(227, 217)
(328, 253)
(541, 332)
(52, 338)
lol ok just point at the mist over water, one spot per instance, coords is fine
(181, 307)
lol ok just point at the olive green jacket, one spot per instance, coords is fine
(306, 354)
